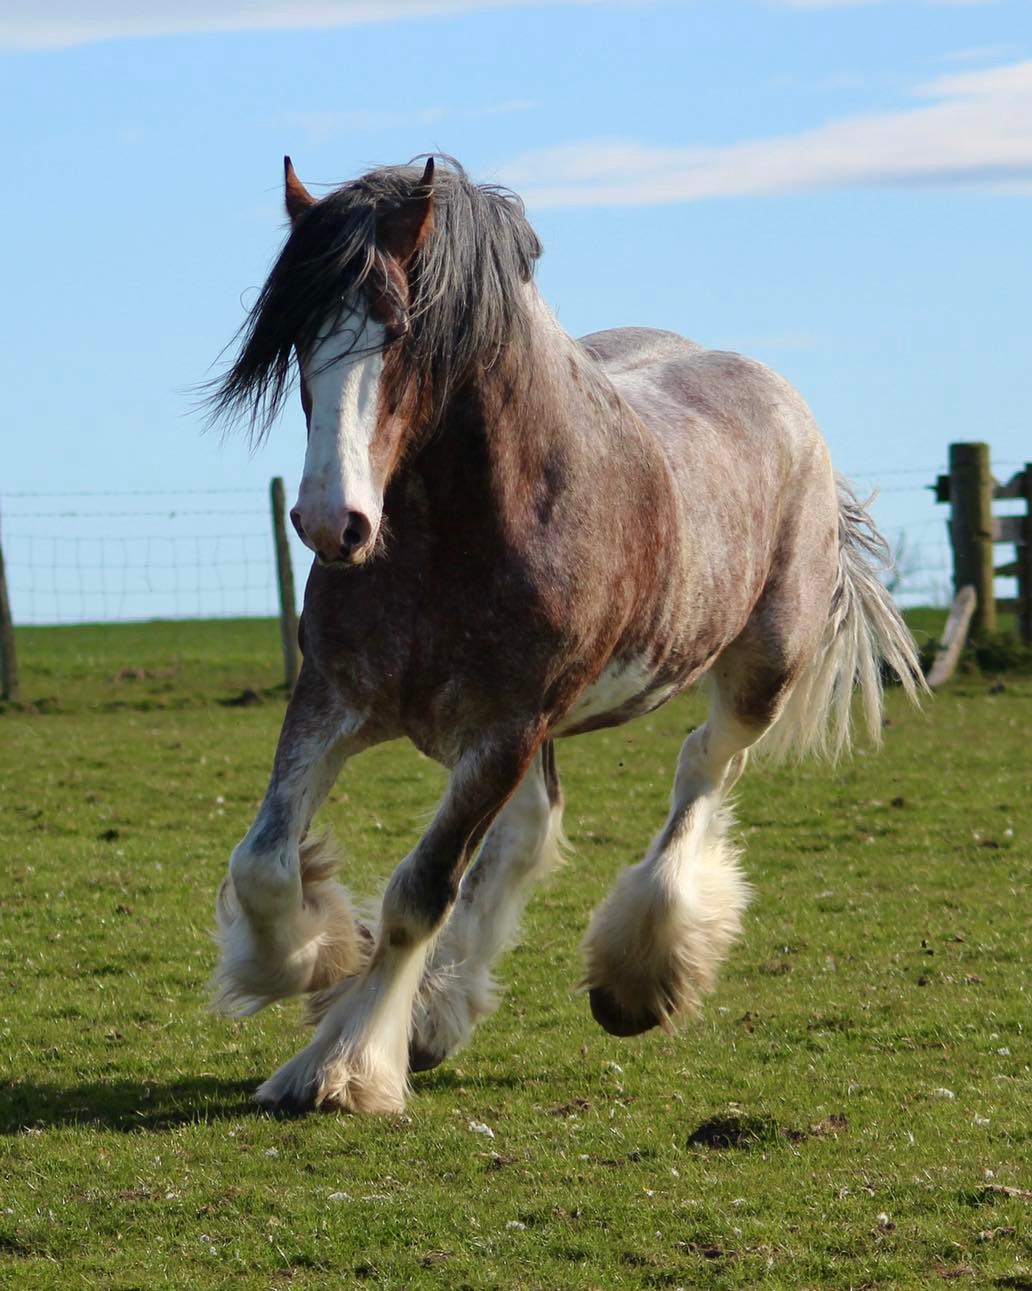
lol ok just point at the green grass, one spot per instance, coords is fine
(796, 1136)
(146, 666)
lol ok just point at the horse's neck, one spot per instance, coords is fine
(545, 402)
(540, 434)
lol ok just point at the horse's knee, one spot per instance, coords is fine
(283, 928)
(698, 765)
(267, 883)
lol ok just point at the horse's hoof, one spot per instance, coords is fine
(420, 1059)
(286, 1107)
(616, 1020)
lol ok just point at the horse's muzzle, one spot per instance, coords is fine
(337, 544)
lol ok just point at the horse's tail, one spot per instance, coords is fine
(865, 631)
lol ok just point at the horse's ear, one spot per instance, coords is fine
(297, 198)
(402, 231)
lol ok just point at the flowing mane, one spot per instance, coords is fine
(466, 300)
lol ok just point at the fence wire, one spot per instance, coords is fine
(118, 556)
(122, 555)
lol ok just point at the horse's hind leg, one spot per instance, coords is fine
(284, 926)
(654, 947)
(521, 847)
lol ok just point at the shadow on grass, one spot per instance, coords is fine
(131, 1106)
(441, 1079)
(124, 1105)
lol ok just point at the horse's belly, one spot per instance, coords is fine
(625, 689)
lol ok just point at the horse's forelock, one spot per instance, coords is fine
(465, 305)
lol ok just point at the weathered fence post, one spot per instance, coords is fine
(971, 530)
(285, 578)
(8, 659)
(953, 640)
(970, 489)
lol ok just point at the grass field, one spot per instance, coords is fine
(853, 1109)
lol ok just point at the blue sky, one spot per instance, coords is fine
(843, 190)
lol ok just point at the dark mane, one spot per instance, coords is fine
(466, 300)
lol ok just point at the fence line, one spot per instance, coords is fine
(65, 564)
(91, 562)
(128, 493)
(971, 489)
(123, 515)
(100, 578)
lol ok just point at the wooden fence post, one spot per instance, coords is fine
(8, 659)
(971, 529)
(953, 640)
(285, 578)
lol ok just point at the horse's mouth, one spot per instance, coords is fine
(342, 562)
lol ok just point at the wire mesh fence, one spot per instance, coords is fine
(115, 557)
(917, 530)
(119, 556)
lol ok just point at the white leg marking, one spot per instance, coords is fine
(357, 1061)
(458, 990)
(306, 944)
(654, 947)
(283, 925)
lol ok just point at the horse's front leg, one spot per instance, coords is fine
(520, 848)
(284, 926)
(358, 1059)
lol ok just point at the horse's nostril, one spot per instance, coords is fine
(357, 531)
(295, 520)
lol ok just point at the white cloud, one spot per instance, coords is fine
(53, 24)
(980, 53)
(976, 130)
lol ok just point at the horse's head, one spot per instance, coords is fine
(359, 411)
(389, 293)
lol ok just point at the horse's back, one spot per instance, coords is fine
(698, 400)
(626, 349)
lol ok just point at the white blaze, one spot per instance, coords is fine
(342, 373)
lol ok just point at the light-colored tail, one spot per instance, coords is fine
(864, 631)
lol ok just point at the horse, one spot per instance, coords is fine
(519, 537)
